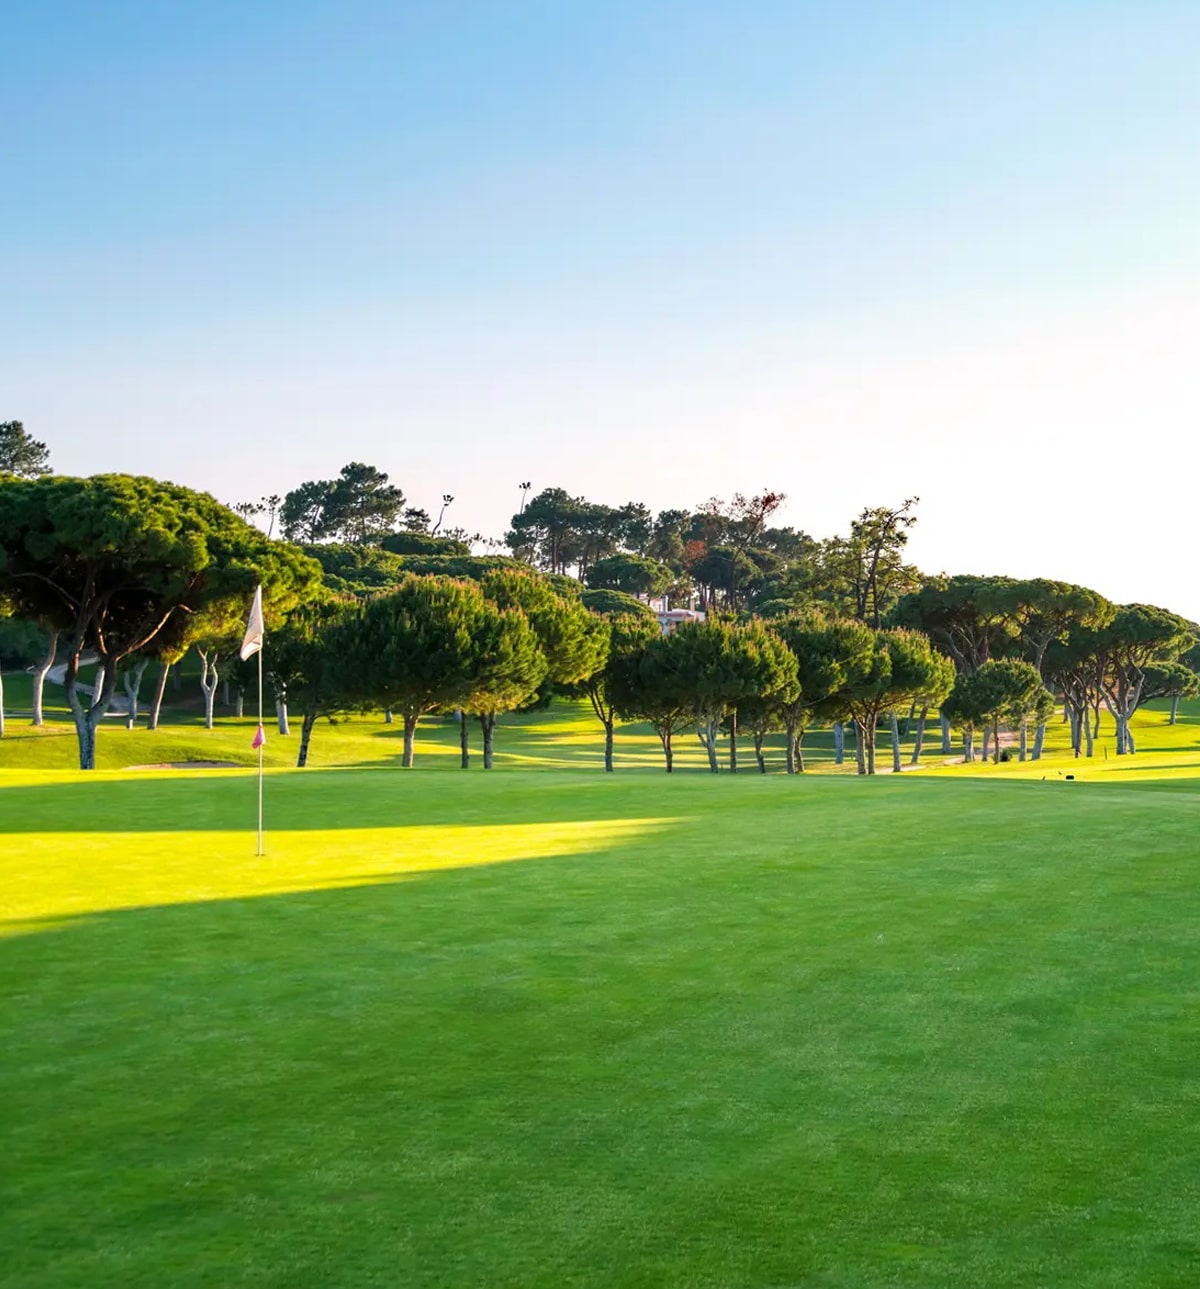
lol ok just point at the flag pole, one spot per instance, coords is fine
(252, 642)
(260, 753)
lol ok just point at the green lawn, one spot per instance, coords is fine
(559, 1028)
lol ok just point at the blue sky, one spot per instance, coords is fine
(641, 250)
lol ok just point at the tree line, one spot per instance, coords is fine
(127, 572)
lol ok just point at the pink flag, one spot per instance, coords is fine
(260, 738)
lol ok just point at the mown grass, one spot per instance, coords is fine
(562, 1028)
(566, 736)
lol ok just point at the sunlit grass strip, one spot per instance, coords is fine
(51, 876)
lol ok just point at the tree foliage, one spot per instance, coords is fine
(903, 668)
(360, 505)
(121, 564)
(20, 453)
(431, 643)
(633, 574)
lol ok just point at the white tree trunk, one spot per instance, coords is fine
(1039, 739)
(133, 685)
(839, 743)
(281, 714)
(915, 759)
(946, 748)
(706, 731)
(208, 683)
(87, 719)
(39, 678)
(1174, 709)
(156, 702)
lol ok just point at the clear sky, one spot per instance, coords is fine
(640, 249)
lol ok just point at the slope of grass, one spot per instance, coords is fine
(570, 1029)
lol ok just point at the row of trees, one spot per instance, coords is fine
(438, 644)
(128, 571)
(1096, 653)
(726, 553)
(719, 554)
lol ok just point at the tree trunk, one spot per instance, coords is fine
(968, 745)
(869, 740)
(241, 703)
(665, 738)
(1130, 745)
(996, 744)
(1089, 737)
(908, 720)
(790, 735)
(1170, 721)
(860, 751)
(87, 719)
(1039, 739)
(306, 729)
(1122, 734)
(387, 716)
(281, 714)
(706, 730)
(896, 767)
(487, 723)
(1096, 725)
(839, 742)
(133, 687)
(1024, 739)
(39, 679)
(987, 741)
(464, 742)
(758, 752)
(946, 748)
(608, 746)
(800, 751)
(410, 732)
(208, 683)
(733, 741)
(915, 759)
(156, 702)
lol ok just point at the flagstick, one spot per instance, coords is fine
(260, 753)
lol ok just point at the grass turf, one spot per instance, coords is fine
(567, 1029)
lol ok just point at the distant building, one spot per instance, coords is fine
(669, 619)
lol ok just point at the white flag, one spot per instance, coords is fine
(252, 641)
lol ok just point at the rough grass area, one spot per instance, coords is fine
(571, 1029)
